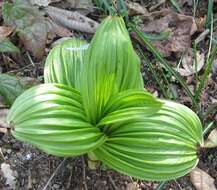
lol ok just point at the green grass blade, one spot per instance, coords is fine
(122, 9)
(161, 36)
(206, 73)
(154, 74)
(207, 129)
(209, 19)
(161, 185)
(195, 2)
(176, 5)
(164, 62)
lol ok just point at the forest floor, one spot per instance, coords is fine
(181, 24)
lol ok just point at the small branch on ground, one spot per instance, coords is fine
(84, 173)
(112, 182)
(1, 154)
(54, 173)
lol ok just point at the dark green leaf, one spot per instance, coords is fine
(10, 88)
(7, 46)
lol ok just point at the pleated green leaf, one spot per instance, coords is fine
(111, 66)
(101, 108)
(51, 117)
(64, 62)
(151, 144)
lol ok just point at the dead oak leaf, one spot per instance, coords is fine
(43, 3)
(34, 39)
(136, 9)
(191, 67)
(181, 28)
(3, 123)
(5, 31)
(201, 180)
(211, 141)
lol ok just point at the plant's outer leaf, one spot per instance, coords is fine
(10, 88)
(211, 141)
(7, 46)
(151, 144)
(51, 117)
(111, 66)
(64, 62)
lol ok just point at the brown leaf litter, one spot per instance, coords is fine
(201, 180)
(181, 28)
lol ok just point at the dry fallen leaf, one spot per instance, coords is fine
(211, 141)
(132, 186)
(3, 122)
(8, 175)
(44, 3)
(30, 26)
(188, 63)
(181, 28)
(136, 9)
(72, 20)
(54, 28)
(201, 180)
(80, 4)
(34, 39)
(5, 31)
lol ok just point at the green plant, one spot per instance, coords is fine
(93, 102)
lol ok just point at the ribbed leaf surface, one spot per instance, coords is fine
(151, 144)
(51, 117)
(100, 107)
(111, 66)
(64, 62)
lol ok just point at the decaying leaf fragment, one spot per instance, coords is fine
(136, 9)
(30, 26)
(189, 65)
(5, 31)
(3, 123)
(72, 20)
(8, 175)
(181, 28)
(43, 2)
(201, 180)
(211, 141)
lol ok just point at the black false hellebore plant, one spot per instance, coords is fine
(93, 102)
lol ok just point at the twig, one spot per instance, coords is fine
(30, 59)
(157, 5)
(54, 173)
(84, 173)
(1, 153)
(112, 182)
(179, 186)
(18, 70)
(202, 36)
